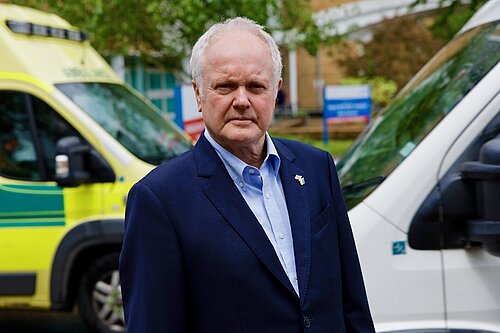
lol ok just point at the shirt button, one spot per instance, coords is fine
(307, 322)
(268, 195)
(281, 235)
(251, 171)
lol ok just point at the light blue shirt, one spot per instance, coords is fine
(262, 190)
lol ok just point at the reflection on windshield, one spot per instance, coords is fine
(139, 128)
(423, 103)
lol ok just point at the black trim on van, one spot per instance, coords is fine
(17, 284)
(442, 220)
(87, 236)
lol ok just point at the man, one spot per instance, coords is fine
(244, 233)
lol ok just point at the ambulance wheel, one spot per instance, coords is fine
(100, 297)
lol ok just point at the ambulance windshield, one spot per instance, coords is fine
(138, 127)
(417, 109)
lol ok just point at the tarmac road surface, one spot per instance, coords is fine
(32, 321)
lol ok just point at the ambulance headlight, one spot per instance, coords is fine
(57, 33)
(77, 36)
(19, 27)
(27, 28)
(40, 30)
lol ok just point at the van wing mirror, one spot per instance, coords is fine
(77, 163)
(70, 162)
(485, 173)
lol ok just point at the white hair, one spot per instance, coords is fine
(197, 61)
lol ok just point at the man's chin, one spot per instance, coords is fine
(243, 137)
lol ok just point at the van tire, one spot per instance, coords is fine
(99, 296)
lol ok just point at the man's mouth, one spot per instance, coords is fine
(241, 121)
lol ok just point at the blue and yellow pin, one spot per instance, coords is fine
(300, 179)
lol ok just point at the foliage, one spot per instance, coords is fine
(453, 16)
(163, 31)
(398, 49)
(383, 90)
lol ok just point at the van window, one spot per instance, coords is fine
(420, 106)
(132, 122)
(17, 149)
(29, 128)
(50, 128)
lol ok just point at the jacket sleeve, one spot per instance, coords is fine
(357, 317)
(151, 269)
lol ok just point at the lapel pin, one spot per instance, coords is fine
(300, 179)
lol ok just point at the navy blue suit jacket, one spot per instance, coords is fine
(195, 259)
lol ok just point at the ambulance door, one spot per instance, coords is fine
(32, 212)
(471, 271)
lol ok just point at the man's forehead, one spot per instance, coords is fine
(226, 74)
(242, 38)
(238, 67)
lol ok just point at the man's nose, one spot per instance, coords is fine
(241, 100)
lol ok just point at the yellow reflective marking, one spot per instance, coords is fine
(27, 78)
(55, 219)
(29, 191)
(36, 213)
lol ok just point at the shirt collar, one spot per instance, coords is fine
(235, 166)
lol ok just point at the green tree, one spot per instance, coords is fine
(163, 31)
(383, 90)
(399, 48)
(453, 16)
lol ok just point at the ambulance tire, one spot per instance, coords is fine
(99, 296)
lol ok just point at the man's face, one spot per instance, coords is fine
(239, 90)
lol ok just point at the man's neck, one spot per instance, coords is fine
(253, 154)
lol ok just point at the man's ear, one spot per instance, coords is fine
(280, 83)
(197, 94)
(278, 87)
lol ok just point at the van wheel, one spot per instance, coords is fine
(100, 296)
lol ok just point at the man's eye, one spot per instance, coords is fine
(224, 86)
(256, 86)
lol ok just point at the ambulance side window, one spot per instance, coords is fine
(50, 127)
(17, 149)
(29, 130)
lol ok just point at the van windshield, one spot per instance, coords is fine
(137, 126)
(418, 108)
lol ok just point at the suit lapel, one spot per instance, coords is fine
(220, 189)
(298, 211)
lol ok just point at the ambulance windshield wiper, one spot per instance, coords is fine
(363, 184)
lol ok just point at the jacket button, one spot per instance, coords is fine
(306, 322)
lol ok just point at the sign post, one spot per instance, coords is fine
(345, 104)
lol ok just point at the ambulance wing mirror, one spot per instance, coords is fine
(485, 174)
(78, 163)
(70, 162)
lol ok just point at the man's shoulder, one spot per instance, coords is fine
(178, 169)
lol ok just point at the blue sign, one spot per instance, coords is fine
(345, 103)
(347, 108)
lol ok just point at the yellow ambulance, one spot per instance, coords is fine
(73, 140)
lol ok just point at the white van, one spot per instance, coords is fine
(422, 184)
